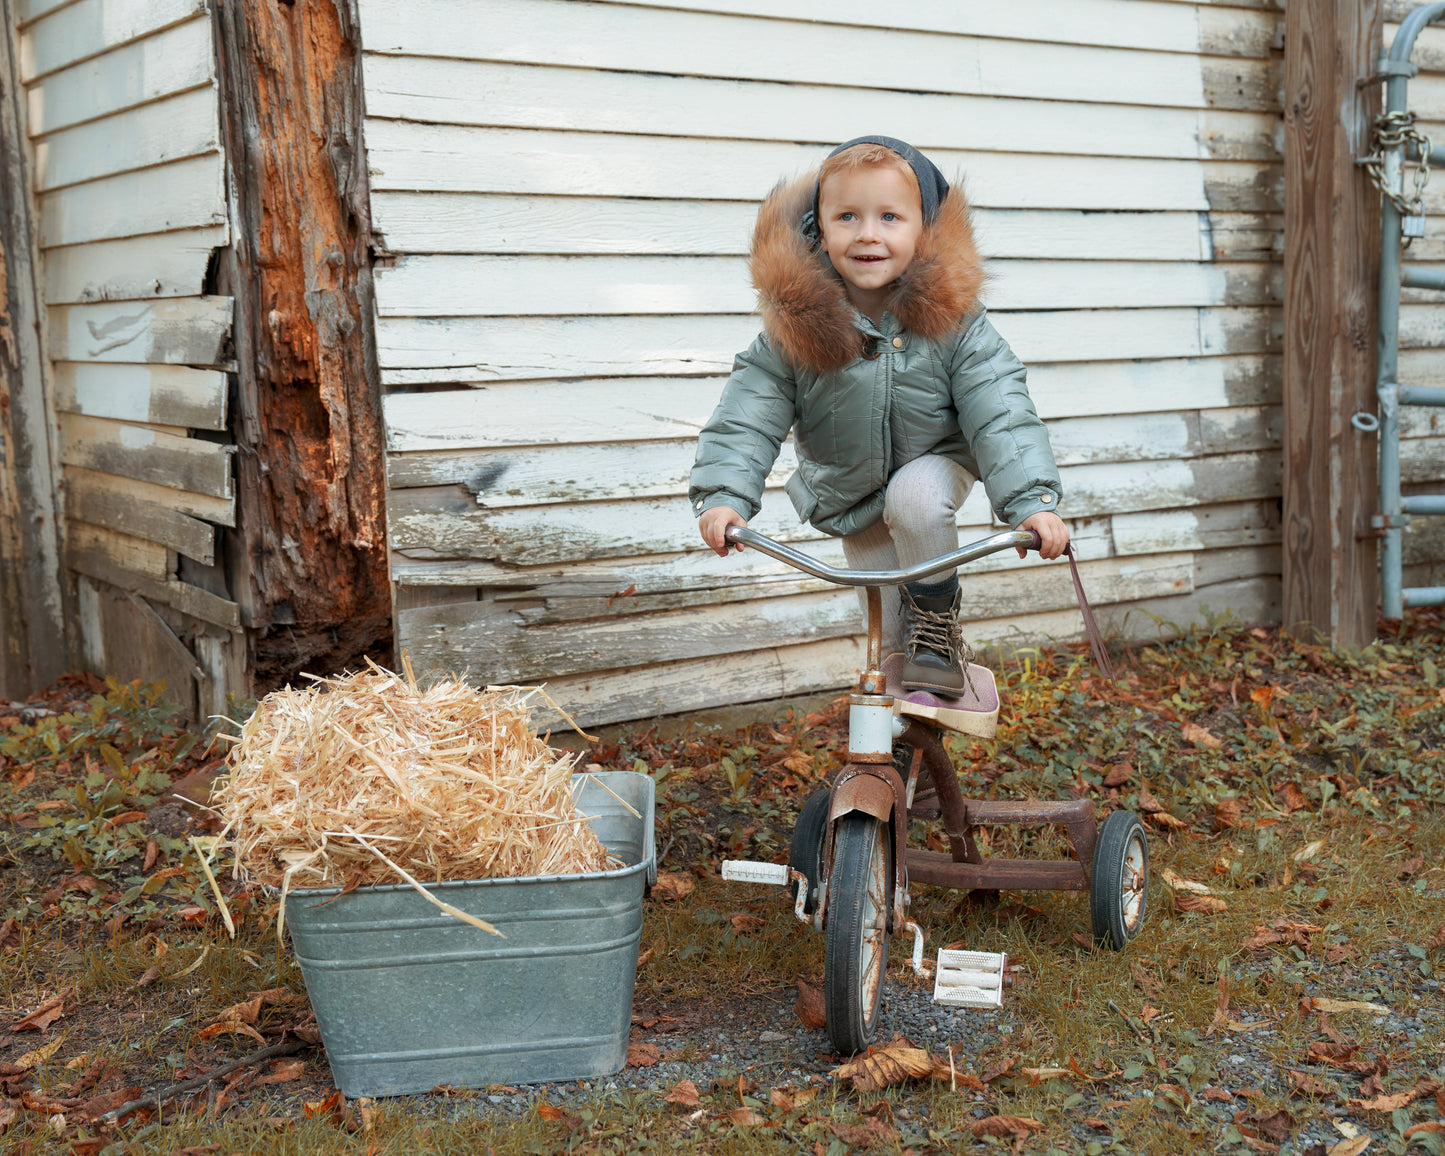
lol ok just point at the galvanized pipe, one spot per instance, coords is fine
(1424, 504)
(1397, 69)
(1415, 277)
(1425, 596)
(1422, 395)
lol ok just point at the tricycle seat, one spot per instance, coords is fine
(975, 712)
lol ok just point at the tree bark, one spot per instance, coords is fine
(311, 574)
(1332, 229)
(32, 613)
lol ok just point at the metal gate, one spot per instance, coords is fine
(1404, 217)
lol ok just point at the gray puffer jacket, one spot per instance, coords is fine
(864, 400)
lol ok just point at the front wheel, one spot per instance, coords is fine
(1119, 890)
(857, 948)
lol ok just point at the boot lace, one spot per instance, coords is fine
(939, 632)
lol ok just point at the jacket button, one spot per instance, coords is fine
(898, 343)
(1046, 498)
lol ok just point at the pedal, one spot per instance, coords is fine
(970, 978)
(750, 871)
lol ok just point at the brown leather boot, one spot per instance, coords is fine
(936, 654)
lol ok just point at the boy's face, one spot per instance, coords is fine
(871, 220)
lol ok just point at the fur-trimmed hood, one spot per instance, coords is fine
(805, 310)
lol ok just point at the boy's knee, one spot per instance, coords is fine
(911, 502)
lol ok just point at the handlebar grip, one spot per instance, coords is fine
(1038, 540)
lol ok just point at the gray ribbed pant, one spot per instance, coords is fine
(920, 509)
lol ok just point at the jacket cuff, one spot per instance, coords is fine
(1027, 505)
(747, 509)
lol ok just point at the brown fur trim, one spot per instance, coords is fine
(804, 307)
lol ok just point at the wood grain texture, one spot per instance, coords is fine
(1330, 579)
(148, 455)
(311, 560)
(33, 635)
(172, 395)
(170, 264)
(166, 331)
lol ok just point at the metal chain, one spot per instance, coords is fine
(1397, 130)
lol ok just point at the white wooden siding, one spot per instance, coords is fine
(565, 193)
(129, 179)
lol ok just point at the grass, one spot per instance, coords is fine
(1302, 786)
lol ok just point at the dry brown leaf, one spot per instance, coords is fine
(246, 1012)
(1217, 1095)
(283, 1072)
(745, 1117)
(42, 1017)
(1307, 1085)
(782, 1100)
(1426, 1126)
(1277, 1125)
(684, 1093)
(1001, 1069)
(1002, 1126)
(741, 921)
(641, 1055)
(810, 1008)
(1227, 813)
(1199, 737)
(1038, 1075)
(673, 885)
(1179, 883)
(1202, 904)
(1350, 1147)
(1423, 1087)
(1309, 851)
(882, 1067)
(1148, 803)
(1165, 819)
(149, 976)
(1292, 797)
(230, 1028)
(1119, 774)
(34, 1059)
(334, 1104)
(1333, 1006)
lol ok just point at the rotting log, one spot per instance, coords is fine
(310, 571)
(1332, 222)
(32, 614)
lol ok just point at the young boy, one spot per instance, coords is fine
(876, 353)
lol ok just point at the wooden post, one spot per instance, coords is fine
(32, 616)
(1331, 239)
(311, 571)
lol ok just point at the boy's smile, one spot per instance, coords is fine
(871, 220)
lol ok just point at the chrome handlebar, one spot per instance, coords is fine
(741, 535)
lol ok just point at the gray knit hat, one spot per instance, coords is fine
(932, 188)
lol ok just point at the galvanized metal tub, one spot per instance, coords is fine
(408, 997)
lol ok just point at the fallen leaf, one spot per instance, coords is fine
(782, 1100)
(230, 1028)
(1148, 803)
(1325, 1004)
(1119, 774)
(1307, 1085)
(1427, 1126)
(1350, 1147)
(1002, 1126)
(744, 1116)
(1292, 797)
(1424, 1086)
(1410, 867)
(149, 976)
(1227, 813)
(641, 1055)
(744, 922)
(866, 1135)
(1003, 1069)
(1199, 737)
(96, 1107)
(1203, 904)
(245, 1012)
(673, 885)
(42, 1017)
(646, 957)
(335, 1104)
(810, 1008)
(1165, 819)
(684, 1094)
(1309, 851)
(1341, 951)
(283, 1072)
(1036, 1075)
(881, 1067)
(1218, 1095)
(1277, 1125)
(1179, 883)
(34, 1059)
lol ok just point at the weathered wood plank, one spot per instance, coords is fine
(99, 500)
(221, 511)
(457, 159)
(1422, 459)
(172, 395)
(422, 350)
(134, 451)
(501, 223)
(181, 596)
(633, 39)
(186, 195)
(167, 331)
(160, 265)
(1202, 528)
(310, 551)
(1235, 563)
(173, 129)
(447, 522)
(446, 285)
(91, 27)
(1332, 229)
(168, 62)
(427, 90)
(537, 413)
(90, 549)
(34, 610)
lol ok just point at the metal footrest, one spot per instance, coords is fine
(970, 978)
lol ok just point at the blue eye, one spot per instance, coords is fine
(845, 216)
(890, 216)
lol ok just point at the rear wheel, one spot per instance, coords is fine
(857, 947)
(1119, 890)
(805, 853)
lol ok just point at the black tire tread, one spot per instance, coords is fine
(1106, 894)
(851, 1026)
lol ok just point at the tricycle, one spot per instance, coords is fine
(849, 864)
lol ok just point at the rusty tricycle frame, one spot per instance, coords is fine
(850, 861)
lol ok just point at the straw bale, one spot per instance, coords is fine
(445, 781)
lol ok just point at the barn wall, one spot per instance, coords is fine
(564, 193)
(128, 181)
